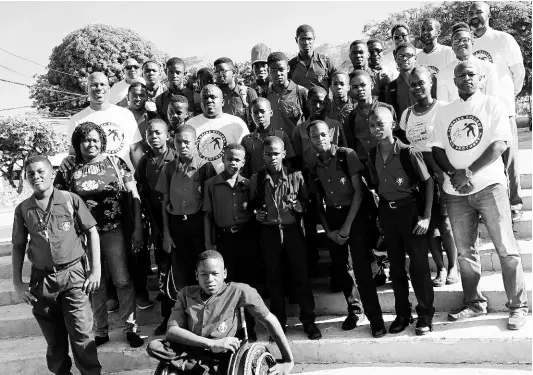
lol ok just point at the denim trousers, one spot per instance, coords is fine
(63, 312)
(115, 266)
(511, 167)
(492, 203)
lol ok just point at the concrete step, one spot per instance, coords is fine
(6, 270)
(526, 198)
(482, 340)
(521, 228)
(5, 247)
(18, 321)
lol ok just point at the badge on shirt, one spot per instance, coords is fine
(343, 180)
(222, 327)
(65, 226)
(244, 205)
(200, 189)
(399, 181)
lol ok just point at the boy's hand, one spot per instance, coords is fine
(92, 282)
(282, 368)
(297, 206)
(334, 236)
(260, 215)
(23, 291)
(421, 226)
(67, 163)
(225, 344)
(137, 239)
(168, 243)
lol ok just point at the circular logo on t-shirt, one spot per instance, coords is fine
(465, 132)
(210, 144)
(115, 137)
(483, 55)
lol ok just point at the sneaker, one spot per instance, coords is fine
(464, 313)
(100, 340)
(313, 333)
(134, 339)
(145, 303)
(162, 328)
(350, 322)
(517, 319)
(424, 325)
(440, 280)
(399, 324)
(112, 305)
(378, 328)
(516, 215)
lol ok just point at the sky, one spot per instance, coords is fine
(184, 29)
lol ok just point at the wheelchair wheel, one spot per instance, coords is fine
(251, 359)
(165, 368)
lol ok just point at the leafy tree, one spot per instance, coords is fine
(23, 136)
(93, 48)
(512, 17)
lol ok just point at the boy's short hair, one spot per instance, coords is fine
(360, 73)
(372, 41)
(184, 128)
(271, 140)
(151, 61)
(315, 90)
(403, 46)
(203, 71)
(275, 57)
(357, 42)
(156, 121)
(136, 84)
(258, 100)
(81, 131)
(304, 29)
(175, 61)
(397, 26)
(234, 146)
(224, 60)
(208, 254)
(436, 21)
(339, 73)
(178, 99)
(315, 123)
(460, 26)
(38, 159)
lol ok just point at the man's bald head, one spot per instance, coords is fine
(467, 78)
(131, 61)
(131, 69)
(211, 89)
(97, 88)
(463, 66)
(211, 101)
(480, 5)
(98, 76)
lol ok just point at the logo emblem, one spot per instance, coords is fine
(222, 327)
(210, 144)
(465, 133)
(65, 226)
(114, 136)
(483, 55)
(399, 181)
(244, 205)
(343, 180)
(200, 189)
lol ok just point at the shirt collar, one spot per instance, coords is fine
(269, 131)
(314, 57)
(332, 152)
(56, 197)
(198, 295)
(220, 179)
(282, 177)
(372, 106)
(290, 87)
(169, 154)
(195, 162)
(472, 97)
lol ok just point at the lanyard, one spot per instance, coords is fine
(43, 222)
(276, 206)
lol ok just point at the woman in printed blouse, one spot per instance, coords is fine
(94, 178)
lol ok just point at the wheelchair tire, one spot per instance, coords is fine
(165, 368)
(251, 359)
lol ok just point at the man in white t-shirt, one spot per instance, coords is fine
(502, 50)
(434, 55)
(462, 46)
(119, 91)
(215, 129)
(468, 139)
(123, 137)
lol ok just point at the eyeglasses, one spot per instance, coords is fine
(458, 41)
(407, 56)
(129, 67)
(221, 72)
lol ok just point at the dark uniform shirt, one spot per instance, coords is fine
(338, 186)
(358, 130)
(59, 243)
(159, 89)
(302, 143)
(392, 180)
(318, 73)
(253, 144)
(236, 106)
(218, 316)
(288, 108)
(163, 100)
(185, 190)
(230, 205)
(380, 79)
(341, 112)
(261, 90)
(278, 196)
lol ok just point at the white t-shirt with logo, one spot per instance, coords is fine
(465, 129)
(119, 125)
(419, 126)
(502, 50)
(213, 134)
(448, 92)
(435, 61)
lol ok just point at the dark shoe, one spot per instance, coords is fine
(112, 305)
(350, 322)
(464, 313)
(145, 303)
(380, 278)
(424, 325)
(378, 328)
(517, 319)
(134, 339)
(162, 328)
(399, 324)
(440, 280)
(100, 340)
(313, 333)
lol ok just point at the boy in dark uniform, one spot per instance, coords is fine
(335, 178)
(404, 217)
(147, 175)
(253, 142)
(177, 113)
(205, 322)
(181, 182)
(279, 194)
(61, 279)
(342, 104)
(175, 70)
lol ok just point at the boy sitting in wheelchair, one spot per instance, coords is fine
(204, 328)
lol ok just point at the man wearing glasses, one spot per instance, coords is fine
(119, 91)
(381, 75)
(399, 34)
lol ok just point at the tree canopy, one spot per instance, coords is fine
(512, 17)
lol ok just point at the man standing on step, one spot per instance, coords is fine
(468, 139)
(502, 51)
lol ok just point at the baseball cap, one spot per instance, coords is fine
(260, 53)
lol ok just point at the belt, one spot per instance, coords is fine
(399, 203)
(233, 229)
(338, 207)
(186, 217)
(277, 226)
(60, 267)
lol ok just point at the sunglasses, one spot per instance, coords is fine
(129, 67)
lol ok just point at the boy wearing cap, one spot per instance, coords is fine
(260, 54)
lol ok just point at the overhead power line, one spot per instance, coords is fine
(41, 65)
(39, 105)
(43, 88)
(14, 71)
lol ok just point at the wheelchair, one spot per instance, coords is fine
(249, 359)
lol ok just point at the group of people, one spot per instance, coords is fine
(227, 184)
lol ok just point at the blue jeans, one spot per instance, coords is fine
(493, 205)
(114, 265)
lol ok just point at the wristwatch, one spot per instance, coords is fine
(468, 173)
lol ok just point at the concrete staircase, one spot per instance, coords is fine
(483, 343)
